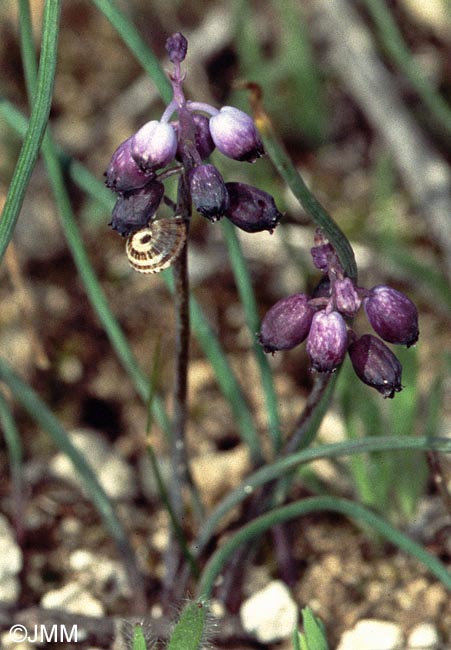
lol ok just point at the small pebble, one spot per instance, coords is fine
(10, 563)
(371, 634)
(270, 614)
(73, 598)
(114, 474)
(424, 636)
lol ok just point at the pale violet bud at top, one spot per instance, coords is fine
(251, 209)
(208, 191)
(376, 365)
(133, 210)
(154, 145)
(327, 341)
(286, 324)
(346, 297)
(321, 255)
(123, 174)
(235, 134)
(392, 315)
(202, 137)
(176, 47)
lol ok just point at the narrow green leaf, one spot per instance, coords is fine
(190, 629)
(286, 465)
(36, 127)
(247, 297)
(302, 507)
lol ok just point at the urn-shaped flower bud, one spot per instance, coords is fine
(376, 365)
(209, 192)
(251, 209)
(176, 47)
(346, 297)
(327, 341)
(123, 174)
(392, 315)
(202, 137)
(286, 324)
(134, 210)
(235, 134)
(321, 255)
(154, 145)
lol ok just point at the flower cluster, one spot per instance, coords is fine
(137, 167)
(321, 320)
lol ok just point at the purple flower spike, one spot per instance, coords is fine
(392, 315)
(376, 365)
(209, 192)
(327, 341)
(154, 145)
(286, 324)
(251, 209)
(235, 134)
(176, 47)
(134, 210)
(346, 297)
(123, 174)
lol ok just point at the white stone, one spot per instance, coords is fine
(113, 473)
(10, 563)
(270, 614)
(73, 598)
(102, 571)
(7, 643)
(424, 636)
(371, 634)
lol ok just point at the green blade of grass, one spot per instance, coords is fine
(37, 124)
(284, 165)
(282, 467)
(134, 41)
(15, 458)
(42, 415)
(247, 297)
(350, 509)
(396, 47)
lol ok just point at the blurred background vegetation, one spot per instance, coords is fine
(358, 162)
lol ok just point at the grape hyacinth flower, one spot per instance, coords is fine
(323, 319)
(178, 143)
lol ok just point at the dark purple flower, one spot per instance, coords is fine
(123, 174)
(346, 297)
(154, 145)
(202, 137)
(286, 324)
(209, 192)
(392, 315)
(376, 365)
(251, 209)
(235, 134)
(133, 210)
(176, 47)
(327, 341)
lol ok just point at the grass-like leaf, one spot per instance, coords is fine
(350, 509)
(286, 465)
(247, 297)
(37, 124)
(42, 415)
